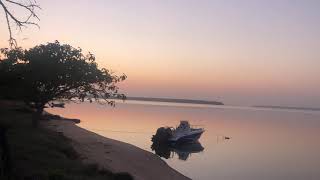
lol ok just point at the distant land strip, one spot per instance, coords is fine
(171, 100)
(290, 108)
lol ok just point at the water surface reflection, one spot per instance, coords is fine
(264, 144)
(183, 150)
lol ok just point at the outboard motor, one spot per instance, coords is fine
(162, 136)
(161, 142)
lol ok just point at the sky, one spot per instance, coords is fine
(248, 52)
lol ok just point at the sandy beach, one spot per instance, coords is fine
(115, 155)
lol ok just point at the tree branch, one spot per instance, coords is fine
(31, 7)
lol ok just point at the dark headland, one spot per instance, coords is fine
(174, 100)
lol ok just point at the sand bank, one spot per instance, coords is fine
(115, 155)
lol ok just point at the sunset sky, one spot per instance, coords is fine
(241, 52)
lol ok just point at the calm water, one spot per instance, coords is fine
(264, 144)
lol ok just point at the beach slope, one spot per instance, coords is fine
(115, 155)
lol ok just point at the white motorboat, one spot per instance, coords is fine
(185, 133)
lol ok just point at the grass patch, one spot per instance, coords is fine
(39, 153)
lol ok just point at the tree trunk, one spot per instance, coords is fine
(37, 116)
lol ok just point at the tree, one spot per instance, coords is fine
(55, 72)
(30, 7)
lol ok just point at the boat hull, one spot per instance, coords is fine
(187, 138)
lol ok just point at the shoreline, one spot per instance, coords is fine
(114, 155)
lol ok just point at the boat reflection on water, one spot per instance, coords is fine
(183, 150)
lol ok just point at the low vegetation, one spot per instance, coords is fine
(39, 153)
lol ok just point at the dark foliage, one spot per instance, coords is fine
(55, 72)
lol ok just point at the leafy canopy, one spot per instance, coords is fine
(54, 71)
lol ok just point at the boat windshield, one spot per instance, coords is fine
(184, 125)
